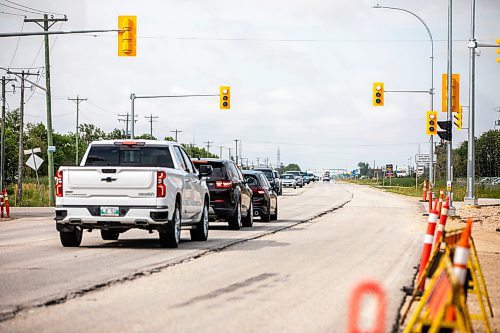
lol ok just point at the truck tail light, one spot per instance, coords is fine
(59, 184)
(161, 188)
(223, 184)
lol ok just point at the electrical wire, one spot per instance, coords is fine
(2, 12)
(17, 45)
(21, 10)
(343, 145)
(41, 11)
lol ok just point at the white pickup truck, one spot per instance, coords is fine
(125, 184)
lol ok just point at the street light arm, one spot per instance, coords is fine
(418, 17)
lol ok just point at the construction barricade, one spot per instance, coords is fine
(443, 303)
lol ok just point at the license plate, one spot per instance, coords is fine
(110, 211)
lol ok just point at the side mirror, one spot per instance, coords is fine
(205, 170)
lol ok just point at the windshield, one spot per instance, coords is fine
(287, 177)
(111, 155)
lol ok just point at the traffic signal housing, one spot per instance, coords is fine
(458, 118)
(455, 92)
(446, 126)
(378, 94)
(127, 36)
(431, 123)
(225, 97)
(498, 49)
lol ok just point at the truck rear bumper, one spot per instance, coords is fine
(130, 217)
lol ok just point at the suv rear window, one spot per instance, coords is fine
(111, 155)
(219, 171)
(269, 173)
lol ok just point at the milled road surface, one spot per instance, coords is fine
(298, 279)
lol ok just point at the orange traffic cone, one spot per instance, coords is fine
(442, 219)
(440, 202)
(6, 201)
(1, 204)
(428, 240)
(462, 252)
(424, 194)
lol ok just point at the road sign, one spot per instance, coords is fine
(422, 159)
(389, 170)
(51, 149)
(34, 162)
(32, 151)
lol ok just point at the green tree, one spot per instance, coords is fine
(363, 168)
(291, 167)
(488, 154)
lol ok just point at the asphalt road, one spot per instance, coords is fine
(295, 274)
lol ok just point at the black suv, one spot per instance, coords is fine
(273, 180)
(230, 196)
(265, 200)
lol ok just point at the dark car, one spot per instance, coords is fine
(265, 200)
(230, 196)
(272, 178)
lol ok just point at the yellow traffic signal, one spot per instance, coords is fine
(225, 97)
(127, 36)
(458, 118)
(498, 49)
(378, 94)
(455, 92)
(431, 123)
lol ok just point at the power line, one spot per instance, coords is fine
(337, 146)
(21, 10)
(17, 45)
(41, 11)
(2, 12)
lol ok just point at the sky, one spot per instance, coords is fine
(301, 73)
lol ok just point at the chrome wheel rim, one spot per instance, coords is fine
(205, 220)
(239, 215)
(177, 226)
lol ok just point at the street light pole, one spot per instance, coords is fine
(431, 143)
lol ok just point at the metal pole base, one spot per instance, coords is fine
(452, 211)
(470, 201)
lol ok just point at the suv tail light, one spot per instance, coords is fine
(59, 184)
(258, 190)
(161, 188)
(223, 184)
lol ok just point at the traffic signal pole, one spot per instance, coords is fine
(431, 91)
(449, 175)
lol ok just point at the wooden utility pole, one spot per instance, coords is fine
(176, 132)
(151, 117)
(46, 26)
(20, 160)
(2, 148)
(78, 100)
(208, 146)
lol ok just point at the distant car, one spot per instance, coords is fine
(230, 196)
(271, 177)
(265, 200)
(311, 177)
(298, 176)
(278, 179)
(326, 178)
(289, 180)
(306, 177)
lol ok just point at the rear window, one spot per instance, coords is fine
(252, 181)
(219, 171)
(287, 177)
(111, 155)
(269, 173)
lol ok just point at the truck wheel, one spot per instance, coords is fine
(200, 233)
(171, 237)
(247, 221)
(274, 217)
(234, 221)
(109, 234)
(71, 238)
(266, 217)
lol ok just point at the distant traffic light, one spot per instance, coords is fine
(127, 36)
(446, 126)
(225, 97)
(431, 123)
(378, 94)
(498, 49)
(458, 118)
(455, 92)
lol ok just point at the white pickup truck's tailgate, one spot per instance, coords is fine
(108, 187)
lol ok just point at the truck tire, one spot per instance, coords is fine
(71, 238)
(200, 233)
(171, 236)
(234, 220)
(109, 234)
(247, 221)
